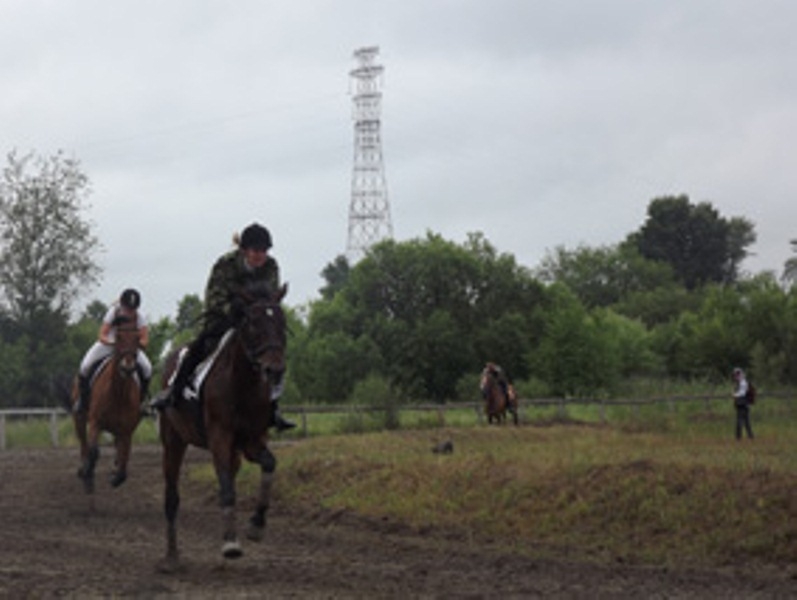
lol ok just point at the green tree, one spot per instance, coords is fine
(95, 311)
(46, 245)
(790, 267)
(326, 368)
(719, 338)
(336, 274)
(578, 355)
(46, 248)
(188, 319)
(424, 310)
(701, 246)
(605, 275)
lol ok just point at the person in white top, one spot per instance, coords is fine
(127, 306)
(741, 403)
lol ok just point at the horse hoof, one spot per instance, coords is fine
(231, 550)
(255, 533)
(169, 566)
(118, 479)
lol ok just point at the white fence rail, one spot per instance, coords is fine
(52, 414)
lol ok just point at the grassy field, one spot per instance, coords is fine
(652, 487)
(638, 485)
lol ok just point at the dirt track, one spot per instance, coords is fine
(54, 545)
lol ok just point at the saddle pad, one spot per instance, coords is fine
(191, 391)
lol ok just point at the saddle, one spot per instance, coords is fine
(191, 391)
(98, 367)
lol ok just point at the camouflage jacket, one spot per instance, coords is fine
(228, 275)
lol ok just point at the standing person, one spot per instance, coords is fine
(125, 307)
(248, 264)
(741, 403)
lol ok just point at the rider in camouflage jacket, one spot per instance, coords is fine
(231, 273)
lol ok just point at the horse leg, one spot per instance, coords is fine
(92, 455)
(173, 453)
(257, 522)
(119, 475)
(80, 431)
(80, 420)
(227, 464)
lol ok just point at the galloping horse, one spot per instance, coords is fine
(496, 402)
(114, 406)
(231, 419)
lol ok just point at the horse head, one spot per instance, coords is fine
(126, 344)
(262, 331)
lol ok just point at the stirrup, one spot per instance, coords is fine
(161, 400)
(282, 424)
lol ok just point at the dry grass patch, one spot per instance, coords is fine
(591, 492)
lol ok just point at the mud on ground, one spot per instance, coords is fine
(54, 544)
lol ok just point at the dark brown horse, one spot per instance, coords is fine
(231, 419)
(114, 407)
(496, 401)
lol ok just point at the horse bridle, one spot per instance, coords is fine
(126, 353)
(255, 353)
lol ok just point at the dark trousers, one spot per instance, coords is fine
(743, 421)
(201, 347)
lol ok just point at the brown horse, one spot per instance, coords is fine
(231, 419)
(114, 407)
(496, 402)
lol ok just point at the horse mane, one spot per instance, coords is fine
(120, 320)
(255, 290)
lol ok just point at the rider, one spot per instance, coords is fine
(126, 306)
(497, 372)
(249, 263)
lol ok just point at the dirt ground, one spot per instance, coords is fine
(55, 544)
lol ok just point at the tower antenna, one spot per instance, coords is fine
(369, 209)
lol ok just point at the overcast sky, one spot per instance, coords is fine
(537, 123)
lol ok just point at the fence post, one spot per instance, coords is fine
(2, 432)
(304, 422)
(54, 429)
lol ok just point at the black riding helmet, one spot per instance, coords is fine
(130, 298)
(255, 236)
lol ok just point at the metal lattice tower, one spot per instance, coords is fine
(369, 210)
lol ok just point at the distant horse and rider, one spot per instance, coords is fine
(108, 393)
(498, 394)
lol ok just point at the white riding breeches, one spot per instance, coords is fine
(100, 351)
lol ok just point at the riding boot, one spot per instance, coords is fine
(277, 420)
(173, 395)
(144, 389)
(144, 394)
(84, 394)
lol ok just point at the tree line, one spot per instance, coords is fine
(418, 319)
